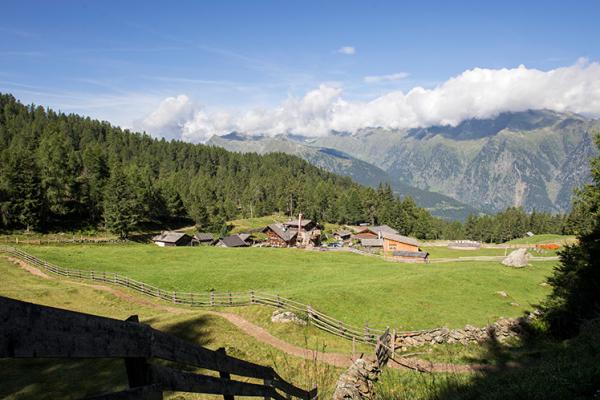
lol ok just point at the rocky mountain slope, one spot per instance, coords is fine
(338, 162)
(532, 159)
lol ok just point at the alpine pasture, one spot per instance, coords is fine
(350, 287)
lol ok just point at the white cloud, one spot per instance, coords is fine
(386, 78)
(347, 50)
(476, 93)
(170, 117)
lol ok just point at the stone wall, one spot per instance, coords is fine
(501, 330)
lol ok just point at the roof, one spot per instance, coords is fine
(400, 238)
(204, 237)
(342, 233)
(372, 242)
(383, 229)
(303, 222)
(416, 254)
(285, 234)
(169, 237)
(244, 236)
(233, 241)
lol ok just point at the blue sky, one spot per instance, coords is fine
(119, 60)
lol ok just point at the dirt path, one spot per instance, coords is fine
(260, 334)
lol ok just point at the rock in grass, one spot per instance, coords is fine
(517, 259)
(285, 317)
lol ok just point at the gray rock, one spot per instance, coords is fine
(286, 317)
(517, 259)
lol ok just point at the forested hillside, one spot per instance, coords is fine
(62, 171)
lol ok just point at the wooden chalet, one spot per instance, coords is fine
(372, 232)
(171, 239)
(278, 235)
(305, 224)
(395, 242)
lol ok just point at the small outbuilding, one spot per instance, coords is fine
(170, 239)
(410, 256)
(342, 235)
(233, 241)
(372, 243)
(204, 238)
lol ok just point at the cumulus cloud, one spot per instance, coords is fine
(347, 50)
(476, 93)
(170, 117)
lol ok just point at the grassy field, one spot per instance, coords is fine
(347, 286)
(52, 379)
(445, 252)
(546, 238)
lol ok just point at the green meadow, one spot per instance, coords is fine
(347, 286)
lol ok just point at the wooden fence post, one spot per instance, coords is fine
(252, 297)
(212, 298)
(269, 384)
(393, 342)
(230, 300)
(223, 374)
(309, 313)
(174, 299)
(367, 336)
(138, 371)
(279, 302)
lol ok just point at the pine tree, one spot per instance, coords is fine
(575, 282)
(120, 212)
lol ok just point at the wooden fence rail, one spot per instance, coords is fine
(34, 331)
(318, 319)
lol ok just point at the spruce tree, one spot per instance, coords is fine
(120, 212)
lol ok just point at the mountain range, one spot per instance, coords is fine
(532, 159)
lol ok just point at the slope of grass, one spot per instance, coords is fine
(70, 379)
(545, 238)
(350, 287)
(246, 224)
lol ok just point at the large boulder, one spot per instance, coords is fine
(517, 259)
(286, 317)
(357, 382)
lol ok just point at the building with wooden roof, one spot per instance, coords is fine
(373, 232)
(395, 242)
(170, 239)
(204, 238)
(305, 224)
(233, 241)
(279, 235)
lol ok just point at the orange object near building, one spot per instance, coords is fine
(548, 246)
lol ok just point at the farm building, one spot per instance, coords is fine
(395, 242)
(372, 232)
(204, 238)
(342, 235)
(169, 239)
(280, 236)
(234, 241)
(305, 224)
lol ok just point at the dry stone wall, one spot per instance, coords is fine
(501, 330)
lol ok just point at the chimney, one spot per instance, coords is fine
(378, 234)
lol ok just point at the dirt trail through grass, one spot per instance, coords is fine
(260, 334)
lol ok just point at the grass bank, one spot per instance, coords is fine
(347, 286)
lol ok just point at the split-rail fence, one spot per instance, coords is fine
(34, 331)
(366, 334)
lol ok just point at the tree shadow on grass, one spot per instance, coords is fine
(531, 368)
(194, 330)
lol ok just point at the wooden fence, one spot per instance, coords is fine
(35, 331)
(318, 319)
